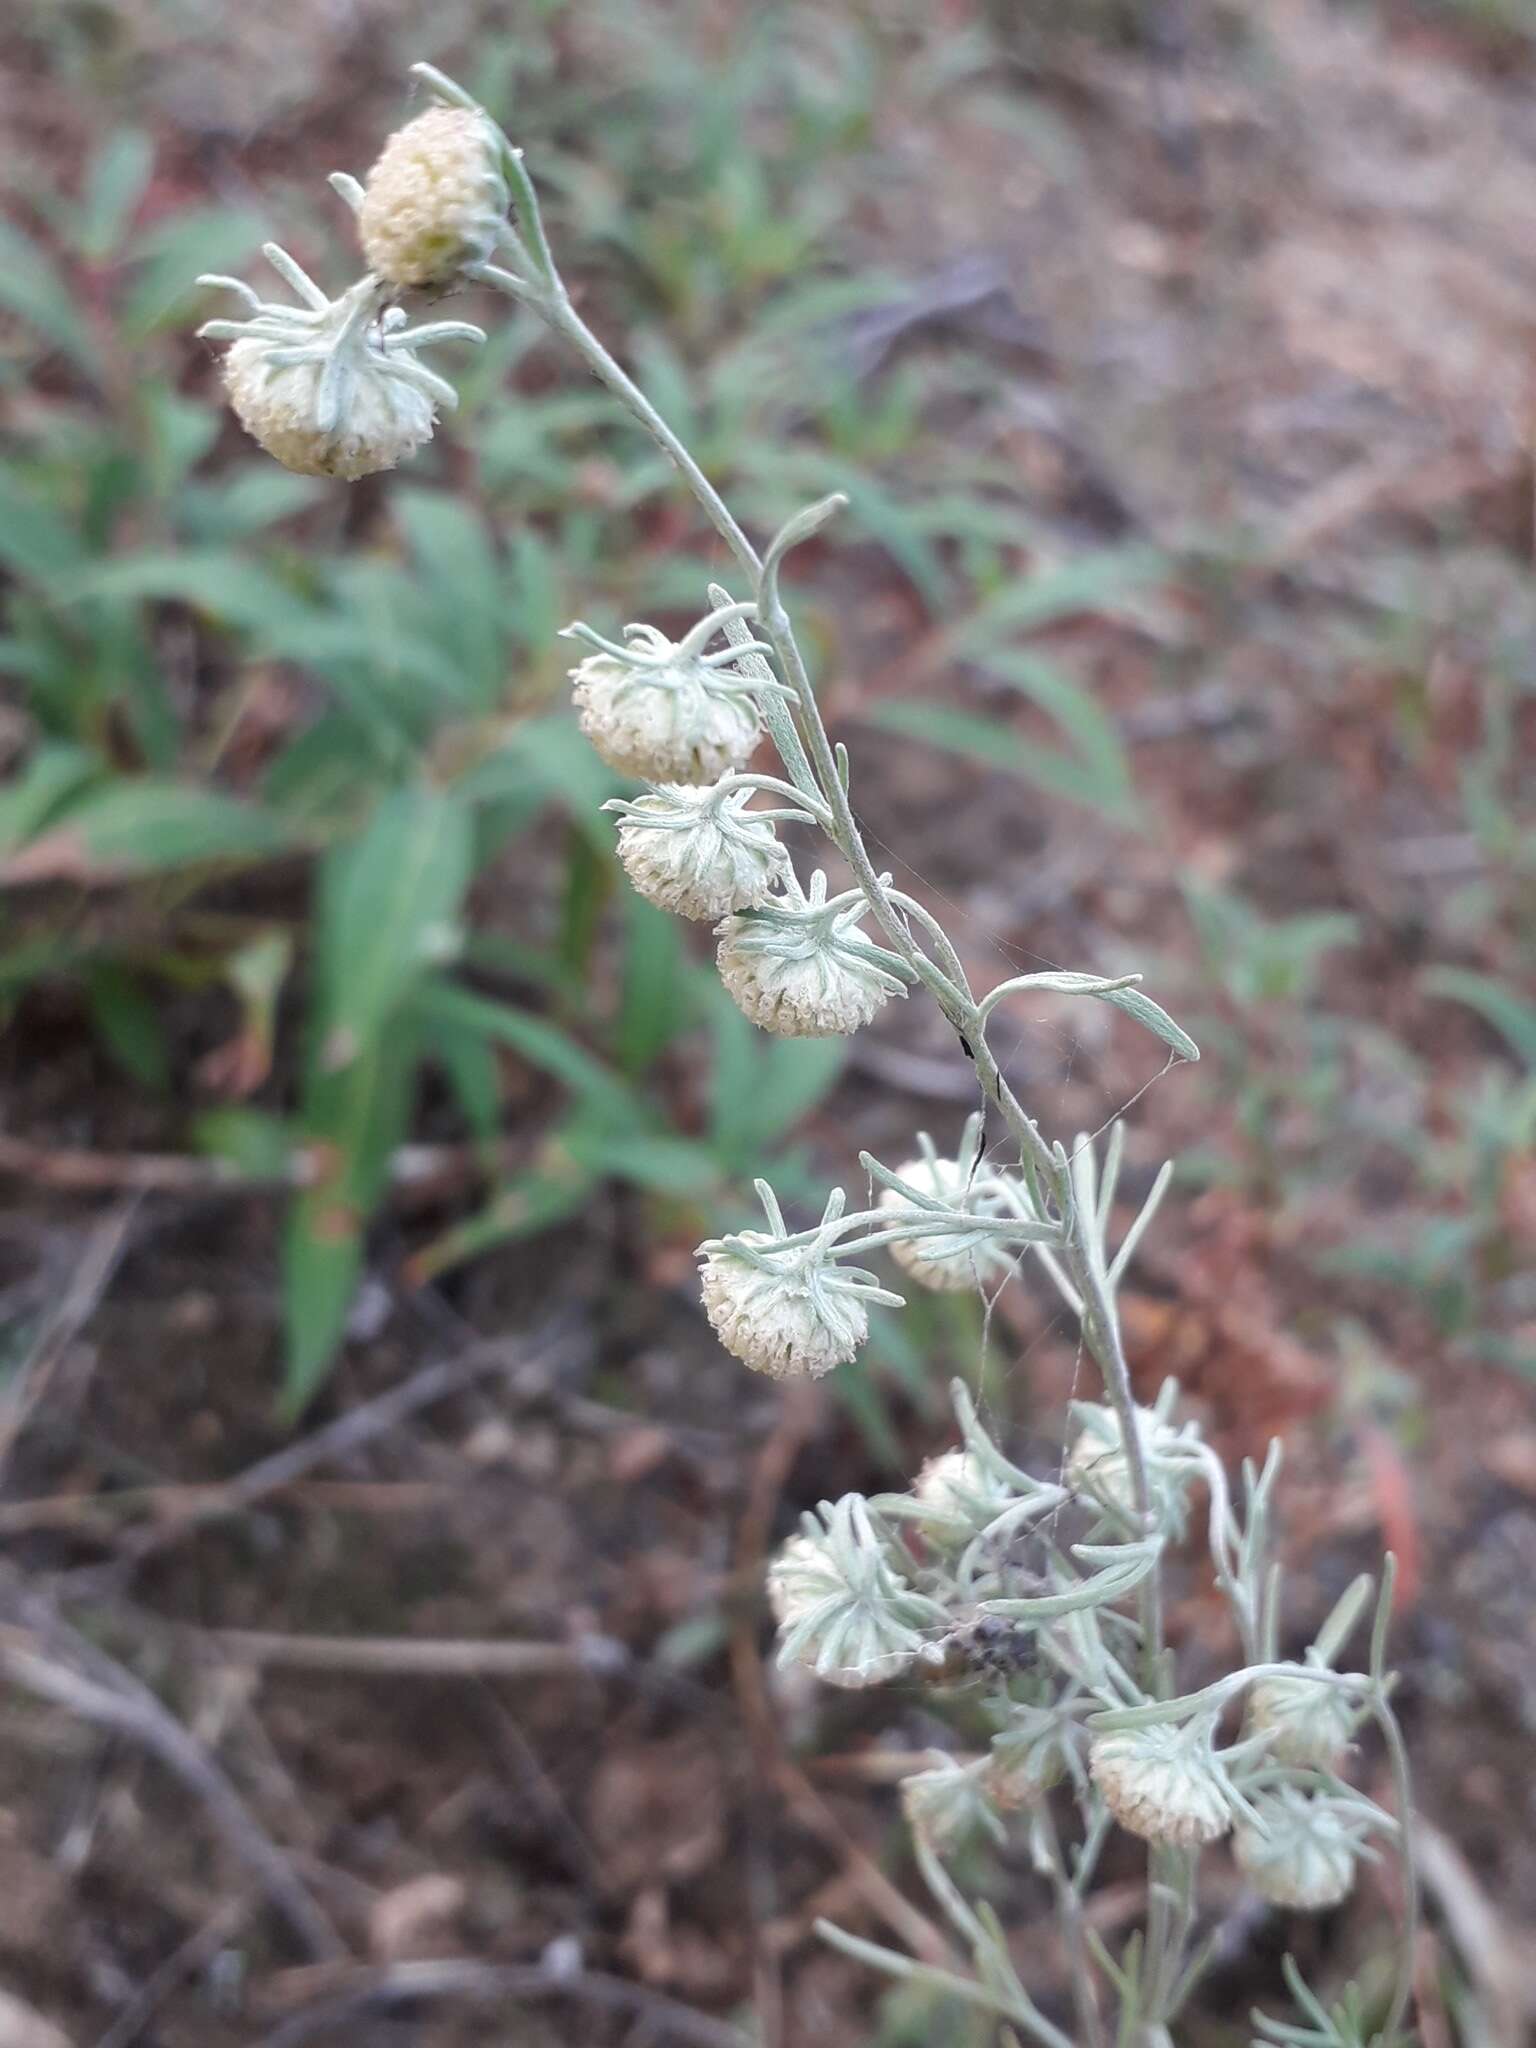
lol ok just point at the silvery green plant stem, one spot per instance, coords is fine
(1081, 1251)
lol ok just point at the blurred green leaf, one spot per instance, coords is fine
(128, 1024)
(387, 912)
(142, 825)
(655, 998)
(256, 1143)
(1513, 1016)
(540, 1043)
(999, 747)
(32, 288)
(55, 773)
(211, 580)
(353, 1119)
(1098, 744)
(1094, 583)
(667, 1166)
(525, 1205)
(115, 181)
(169, 257)
(34, 541)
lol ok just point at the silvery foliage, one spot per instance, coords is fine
(1041, 1598)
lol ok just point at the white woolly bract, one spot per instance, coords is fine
(944, 1263)
(435, 200)
(1163, 1783)
(663, 727)
(822, 995)
(384, 419)
(1307, 1722)
(687, 853)
(1304, 1856)
(783, 1323)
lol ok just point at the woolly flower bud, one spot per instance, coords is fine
(953, 1483)
(332, 387)
(799, 966)
(435, 200)
(1033, 1753)
(700, 852)
(667, 712)
(948, 1262)
(1308, 1722)
(950, 1804)
(1097, 1464)
(781, 1302)
(843, 1609)
(1302, 1854)
(1165, 1783)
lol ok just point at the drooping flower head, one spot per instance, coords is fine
(1166, 1783)
(1305, 1721)
(331, 387)
(666, 711)
(959, 1259)
(700, 852)
(436, 199)
(843, 1608)
(800, 967)
(1098, 1467)
(781, 1301)
(1301, 1848)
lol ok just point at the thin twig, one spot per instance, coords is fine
(188, 1956)
(515, 1983)
(421, 1656)
(89, 1281)
(46, 1661)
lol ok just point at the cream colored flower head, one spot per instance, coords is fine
(844, 1610)
(1301, 1848)
(801, 968)
(1098, 1468)
(332, 387)
(1166, 1783)
(666, 712)
(781, 1301)
(436, 199)
(701, 852)
(1307, 1722)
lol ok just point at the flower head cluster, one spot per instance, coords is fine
(436, 199)
(801, 968)
(666, 711)
(842, 1607)
(1166, 1783)
(700, 852)
(1300, 1848)
(332, 387)
(781, 1301)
